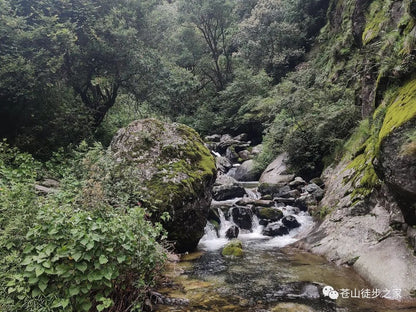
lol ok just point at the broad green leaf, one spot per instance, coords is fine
(27, 260)
(47, 264)
(74, 290)
(81, 266)
(86, 306)
(28, 249)
(77, 255)
(42, 285)
(61, 269)
(90, 245)
(103, 259)
(39, 271)
(108, 274)
(33, 280)
(121, 258)
(36, 292)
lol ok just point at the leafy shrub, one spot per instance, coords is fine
(85, 247)
(87, 257)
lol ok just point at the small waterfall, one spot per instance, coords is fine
(224, 223)
(210, 232)
(252, 193)
(256, 227)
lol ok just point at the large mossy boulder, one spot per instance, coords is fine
(176, 173)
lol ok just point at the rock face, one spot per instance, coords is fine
(176, 173)
(246, 172)
(397, 166)
(276, 171)
(361, 234)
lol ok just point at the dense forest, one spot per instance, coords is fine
(317, 79)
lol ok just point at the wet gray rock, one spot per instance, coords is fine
(246, 172)
(242, 217)
(231, 154)
(293, 193)
(255, 202)
(232, 232)
(274, 189)
(318, 181)
(290, 222)
(244, 155)
(241, 137)
(223, 179)
(315, 190)
(257, 150)
(276, 172)
(285, 201)
(302, 203)
(275, 229)
(213, 138)
(227, 191)
(223, 164)
(297, 182)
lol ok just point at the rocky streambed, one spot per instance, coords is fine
(266, 217)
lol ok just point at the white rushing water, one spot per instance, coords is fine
(215, 239)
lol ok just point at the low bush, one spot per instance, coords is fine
(79, 248)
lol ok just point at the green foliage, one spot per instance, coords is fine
(83, 258)
(58, 89)
(213, 21)
(313, 118)
(237, 108)
(377, 16)
(322, 212)
(275, 36)
(89, 244)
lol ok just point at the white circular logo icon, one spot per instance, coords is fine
(330, 292)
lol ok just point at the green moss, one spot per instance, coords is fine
(364, 178)
(377, 17)
(322, 212)
(402, 110)
(233, 249)
(358, 138)
(270, 213)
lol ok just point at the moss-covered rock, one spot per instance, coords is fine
(402, 110)
(177, 172)
(377, 16)
(233, 249)
(268, 213)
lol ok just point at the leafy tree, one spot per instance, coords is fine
(61, 56)
(276, 34)
(213, 19)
